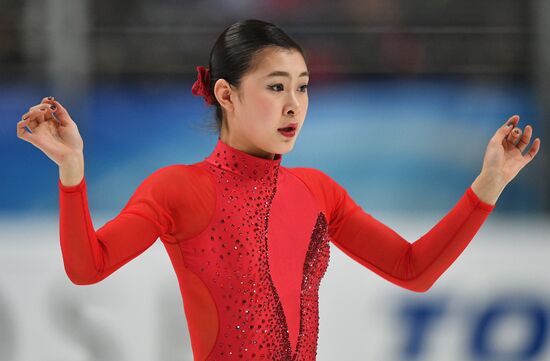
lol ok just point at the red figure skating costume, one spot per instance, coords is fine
(249, 241)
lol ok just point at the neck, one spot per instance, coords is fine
(243, 164)
(234, 143)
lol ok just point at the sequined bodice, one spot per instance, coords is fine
(234, 259)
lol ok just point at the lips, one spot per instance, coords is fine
(289, 127)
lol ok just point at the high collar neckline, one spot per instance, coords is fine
(240, 163)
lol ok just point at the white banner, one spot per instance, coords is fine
(492, 304)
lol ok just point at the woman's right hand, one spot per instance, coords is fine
(53, 131)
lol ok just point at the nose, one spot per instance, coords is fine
(292, 105)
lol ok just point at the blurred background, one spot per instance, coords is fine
(403, 99)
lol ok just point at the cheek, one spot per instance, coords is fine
(265, 104)
(264, 110)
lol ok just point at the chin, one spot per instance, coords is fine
(287, 147)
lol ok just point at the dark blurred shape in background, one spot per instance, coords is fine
(73, 48)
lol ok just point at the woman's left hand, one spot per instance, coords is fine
(503, 158)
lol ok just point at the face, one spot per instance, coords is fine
(272, 95)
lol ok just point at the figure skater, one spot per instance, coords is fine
(248, 237)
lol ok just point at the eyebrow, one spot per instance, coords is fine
(284, 73)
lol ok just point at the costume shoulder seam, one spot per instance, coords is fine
(312, 176)
(307, 170)
(175, 168)
(167, 173)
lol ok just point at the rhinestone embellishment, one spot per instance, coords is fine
(254, 326)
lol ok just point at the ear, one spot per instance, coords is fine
(225, 94)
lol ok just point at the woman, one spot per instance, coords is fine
(248, 237)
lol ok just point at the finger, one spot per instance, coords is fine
(49, 100)
(33, 110)
(39, 106)
(48, 112)
(514, 136)
(513, 120)
(33, 124)
(53, 125)
(21, 127)
(525, 139)
(40, 112)
(533, 150)
(29, 121)
(61, 113)
(505, 129)
(22, 132)
(35, 118)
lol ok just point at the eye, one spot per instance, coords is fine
(303, 87)
(274, 85)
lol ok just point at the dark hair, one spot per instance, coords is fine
(233, 53)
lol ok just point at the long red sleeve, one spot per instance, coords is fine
(415, 266)
(89, 255)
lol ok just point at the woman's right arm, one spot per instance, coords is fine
(89, 255)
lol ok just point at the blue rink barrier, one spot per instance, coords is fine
(398, 144)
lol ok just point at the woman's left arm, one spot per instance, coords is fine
(416, 266)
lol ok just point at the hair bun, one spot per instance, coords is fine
(201, 87)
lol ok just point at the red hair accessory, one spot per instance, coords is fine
(202, 84)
